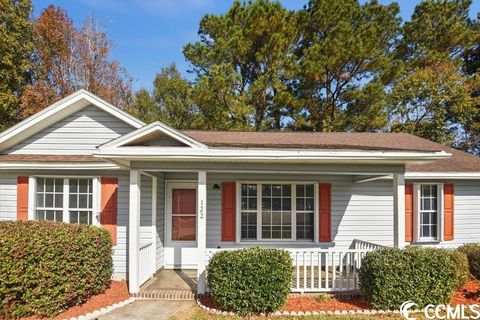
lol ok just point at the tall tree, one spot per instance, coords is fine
(67, 59)
(434, 97)
(243, 63)
(345, 58)
(170, 101)
(16, 46)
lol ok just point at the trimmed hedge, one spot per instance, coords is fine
(47, 267)
(250, 281)
(473, 254)
(389, 277)
(462, 270)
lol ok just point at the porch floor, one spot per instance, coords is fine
(170, 285)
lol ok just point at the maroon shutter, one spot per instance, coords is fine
(448, 211)
(325, 212)
(108, 209)
(22, 198)
(408, 212)
(228, 211)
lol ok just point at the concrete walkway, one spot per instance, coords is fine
(148, 309)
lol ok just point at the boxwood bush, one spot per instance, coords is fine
(389, 277)
(462, 269)
(250, 281)
(473, 254)
(46, 267)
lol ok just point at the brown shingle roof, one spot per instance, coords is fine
(460, 161)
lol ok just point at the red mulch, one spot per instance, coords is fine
(117, 292)
(469, 293)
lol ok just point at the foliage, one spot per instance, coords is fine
(67, 59)
(389, 277)
(323, 297)
(243, 63)
(473, 254)
(252, 280)
(16, 46)
(170, 101)
(46, 267)
(460, 261)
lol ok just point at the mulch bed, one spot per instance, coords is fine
(468, 294)
(117, 292)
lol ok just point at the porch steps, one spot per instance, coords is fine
(178, 295)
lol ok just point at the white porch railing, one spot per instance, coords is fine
(146, 257)
(361, 244)
(322, 270)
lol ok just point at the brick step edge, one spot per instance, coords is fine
(179, 295)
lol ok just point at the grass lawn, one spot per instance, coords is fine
(195, 313)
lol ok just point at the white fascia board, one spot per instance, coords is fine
(151, 128)
(64, 103)
(464, 175)
(17, 165)
(220, 154)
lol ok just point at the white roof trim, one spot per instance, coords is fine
(148, 129)
(466, 175)
(17, 165)
(64, 103)
(225, 154)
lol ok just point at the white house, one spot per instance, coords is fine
(170, 198)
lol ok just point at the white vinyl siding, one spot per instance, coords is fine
(79, 133)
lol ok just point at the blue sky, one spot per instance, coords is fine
(150, 34)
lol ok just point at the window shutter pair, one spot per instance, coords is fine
(108, 208)
(448, 212)
(229, 208)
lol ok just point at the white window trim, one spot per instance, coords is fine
(440, 213)
(259, 216)
(32, 194)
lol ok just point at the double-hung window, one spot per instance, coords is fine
(428, 211)
(71, 200)
(277, 211)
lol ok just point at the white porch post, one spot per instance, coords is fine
(134, 232)
(201, 230)
(154, 224)
(399, 210)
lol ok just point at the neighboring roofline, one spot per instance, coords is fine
(225, 154)
(64, 103)
(148, 129)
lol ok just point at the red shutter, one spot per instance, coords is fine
(22, 198)
(229, 208)
(408, 212)
(448, 211)
(108, 208)
(325, 212)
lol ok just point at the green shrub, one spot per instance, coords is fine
(462, 269)
(389, 277)
(249, 281)
(473, 254)
(46, 267)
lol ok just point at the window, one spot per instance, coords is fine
(68, 200)
(428, 212)
(184, 214)
(277, 211)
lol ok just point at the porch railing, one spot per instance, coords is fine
(322, 270)
(366, 245)
(146, 256)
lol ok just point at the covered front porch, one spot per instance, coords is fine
(367, 205)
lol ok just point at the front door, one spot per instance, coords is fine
(181, 225)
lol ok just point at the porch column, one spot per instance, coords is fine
(134, 232)
(201, 230)
(399, 210)
(154, 224)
